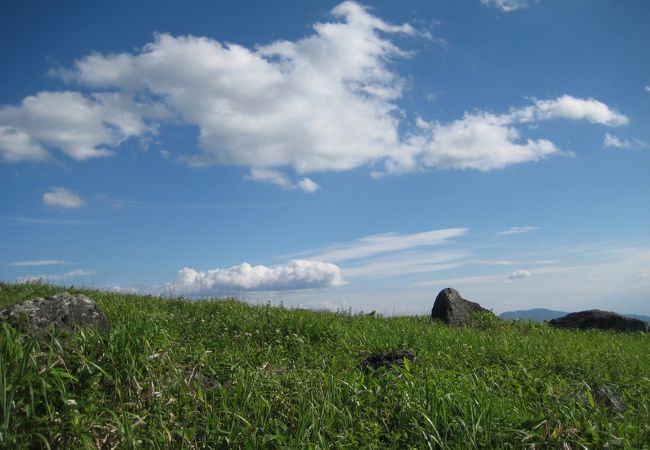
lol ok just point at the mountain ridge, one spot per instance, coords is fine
(542, 314)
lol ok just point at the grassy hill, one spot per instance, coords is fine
(177, 374)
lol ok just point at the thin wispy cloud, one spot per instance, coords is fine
(405, 264)
(379, 244)
(120, 203)
(614, 142)
(517, 230)
(496, 262)
(48, 221)
(38, 262)
(507, 5)
(51, 278)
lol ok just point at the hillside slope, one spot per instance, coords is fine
(216, 374)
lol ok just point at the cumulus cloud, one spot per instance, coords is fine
(506, 5)
(486, 141)
(519, 273)
(569, 108)
(320, 103)
(81, 126)
(647, 88)
(477, 141)
(63, 198)
(326, 102)
(517, 230)
(308, 185)
(17, 145)
(298, 274)
(613, 141)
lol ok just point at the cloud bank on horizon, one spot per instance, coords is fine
(296, 275)
(326, 102)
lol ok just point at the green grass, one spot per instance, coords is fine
(292, 378)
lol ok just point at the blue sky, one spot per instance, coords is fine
(330, 155)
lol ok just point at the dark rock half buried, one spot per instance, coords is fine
(387, 359)
(64, 311)
(453, 309)
(604, 320)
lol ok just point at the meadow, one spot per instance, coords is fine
(222, 373)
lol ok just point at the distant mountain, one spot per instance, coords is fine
(541, 314)
(537, 314)
(646, 319)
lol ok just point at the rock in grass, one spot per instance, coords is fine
(63, 310)
(193, 379)
(387, 359)
(605, 397)
(453, 309)
(604, 320)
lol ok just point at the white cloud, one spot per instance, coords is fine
(277, 178)
(506, 5)
(569, 108)
(81, 126)
(385, 243)
(298, 274)
(63, 198)
(519, 273)
(517, 230)
(647, 88)
(326, 102)
(477, 141)
(613, 141)
(269, 176)
(486, 141)
(17, 145)
(37, 262)
(320, 103)
(308, 185)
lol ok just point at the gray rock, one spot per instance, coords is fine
(605, 397)
(63, 310)
(453, 309)
(194, 380)
(604, 320)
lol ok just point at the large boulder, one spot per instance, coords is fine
(64, 310)
(595, 318)
(453, 309)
